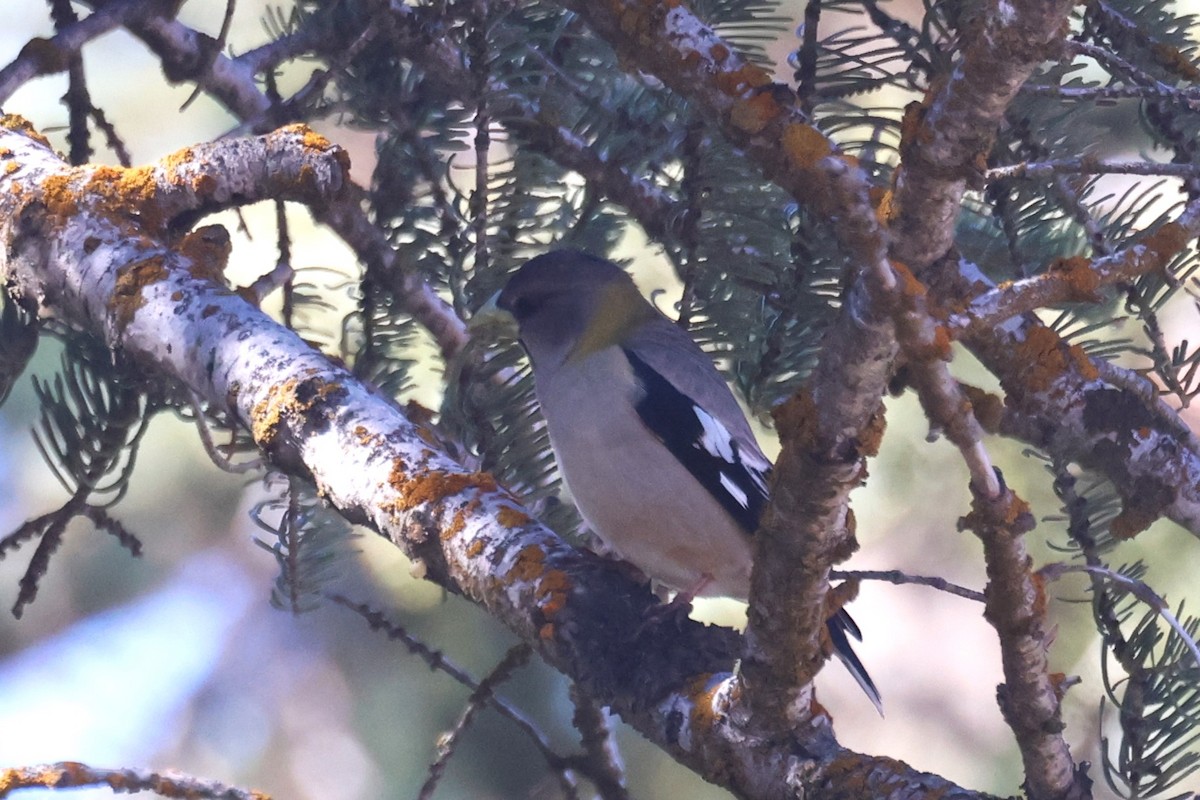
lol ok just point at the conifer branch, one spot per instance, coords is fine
(312, 419)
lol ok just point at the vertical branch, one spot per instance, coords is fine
(693, 189)
(477, 46)
(806, 70)
(77, 99)
(604, 763)
(1030, 697)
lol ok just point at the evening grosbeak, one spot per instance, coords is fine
(655, 450)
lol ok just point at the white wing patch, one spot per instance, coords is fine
(716, 439)
(735, 491)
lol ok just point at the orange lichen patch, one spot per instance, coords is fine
(132, 279)
(530, 564)
(207, 250)
(128, 193)
(1132, 520)
(365, 437)
(884, 201)
(754, 114)
(870, 438)
(702, 692)
(475, 548)
(1083, 365)
(1165, 242)
(718, 52)
(15, 122)
(11, 167)
(1175, 60)
(1080, 276)
(291, 403)
(1009, 513)
(910, 285)
(5, 152)
(208, 311)
(1042, 352)
(988, 408)
(804, 145)
(1040, 603)
(736, 82)
(797, 418)
(311, 140)
(511, 517)
(457, 523)
(59, 194)
(552, 592)
(434, 486)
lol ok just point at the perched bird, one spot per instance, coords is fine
(651, 442)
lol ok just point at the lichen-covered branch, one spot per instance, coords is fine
(232, 82)
(946, 142)
(74, 775)
(1079, 280)
(311, 418)
(1030, 697)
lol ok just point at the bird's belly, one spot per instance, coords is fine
(644, 504)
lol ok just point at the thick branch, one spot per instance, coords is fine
(232, 82)
(311, 418)
(946, 142)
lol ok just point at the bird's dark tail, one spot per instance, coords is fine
(839, 625)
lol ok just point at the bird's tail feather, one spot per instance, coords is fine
(839, 625)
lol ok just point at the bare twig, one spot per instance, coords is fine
(515, 658)
(440, 662)
(1087, 165)
(1138, 589)
(47, 56)
(898, 577)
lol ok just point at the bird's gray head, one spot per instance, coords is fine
(568, 304)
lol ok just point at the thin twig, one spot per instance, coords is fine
(515, 658)
(440, 662)
(1137, 588)
(897, 577)
(1088, 165)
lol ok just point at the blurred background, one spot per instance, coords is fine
(178, 660)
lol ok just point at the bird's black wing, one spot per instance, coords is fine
(702, 444)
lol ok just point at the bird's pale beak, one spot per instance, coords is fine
(491, 315)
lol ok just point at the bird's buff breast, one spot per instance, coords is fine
(633, 493)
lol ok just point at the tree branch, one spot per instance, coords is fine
(945, 142)
(312, 419)
(1030, 697)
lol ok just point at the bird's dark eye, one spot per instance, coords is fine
(526, 305)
